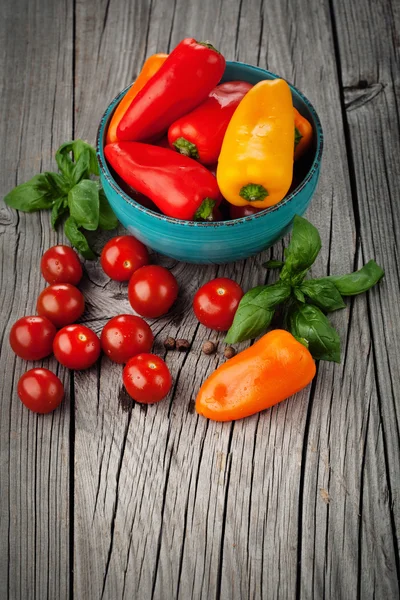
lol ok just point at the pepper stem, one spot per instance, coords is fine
(297, 137)
(186, 148)
(253, 192)
(209, 45)
(205, 210)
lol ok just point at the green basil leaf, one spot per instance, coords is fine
(82, 165)
(84, 204)
(107, 219)
(77, 238)
(301, 252)
(58, 209)
(79, 147)
(309, 322)
(298, 294)
(323, 294)
(81, 168)
(255, 311)
(59, 184)
(359, 281)
(35, 194)
(273, 264)
(64, 160)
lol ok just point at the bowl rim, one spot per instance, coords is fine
(105, 172)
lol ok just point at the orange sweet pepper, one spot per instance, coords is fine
(268, 372)
(302, 135)
(255, 165)
(150, 67)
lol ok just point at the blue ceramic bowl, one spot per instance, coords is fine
(223, 241)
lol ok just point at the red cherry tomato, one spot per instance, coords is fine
(40, 390)
(152, 291)
(216, 302)
(31, 338)
(237, 212)
(125, 336)
(60, 264)
(122, 256)
(61, 303)
(76, 347)
(147, 378)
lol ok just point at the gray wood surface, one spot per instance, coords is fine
(103, 499)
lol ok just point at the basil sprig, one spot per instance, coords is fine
(304, 301)
(71, 193)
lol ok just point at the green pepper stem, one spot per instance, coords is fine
(186, 148)
(253, 192)
(205, 210)
(297, 137)
(208, 44)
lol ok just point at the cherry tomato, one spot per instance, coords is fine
(147, 378)
(60, 264)
(76, 347)
(237, 212)
(31, 338)
(61, 303)
(216, 302)
(40, 390)
(152, 291)
(125, 336)
(122, 256)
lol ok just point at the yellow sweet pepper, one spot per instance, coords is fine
(255, 165)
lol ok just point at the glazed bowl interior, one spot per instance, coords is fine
(222, 241)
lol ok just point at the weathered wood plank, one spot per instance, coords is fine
(367, 40)
(36, 100)
(204, 500)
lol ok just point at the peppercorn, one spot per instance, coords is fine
(169, 343)
(209, 347)
(229, 352)
(182, 345)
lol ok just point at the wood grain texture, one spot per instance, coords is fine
(300, 501)
(36, 100)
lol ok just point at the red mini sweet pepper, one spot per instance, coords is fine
(178, 185)
(184, 80)
(200, 133)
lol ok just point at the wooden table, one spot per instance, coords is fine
(102, 499)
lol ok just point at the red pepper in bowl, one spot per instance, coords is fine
(178, 185)
(184, 80)
(200, 133)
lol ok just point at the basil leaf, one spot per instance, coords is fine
(59, 184)
(273, 264)
(83, 202)
(84, 161)
(107, 219)
(301, 252)
(308, 322)
(255, 311)
(79, 147)
(298, 294)
(81, 168)
(77, 238)
(59, 208)
(359, 281)
(64, 160)
(323, 294)
(35, 194)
